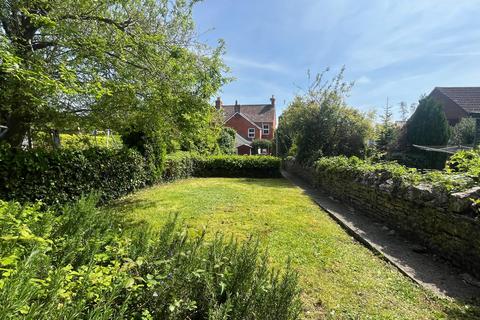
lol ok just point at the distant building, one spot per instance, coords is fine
(457, 102)
(251, 121)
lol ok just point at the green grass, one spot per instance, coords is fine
(340, 278)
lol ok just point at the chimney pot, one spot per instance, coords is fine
(218, 103)
(272, 100)
(237, 107)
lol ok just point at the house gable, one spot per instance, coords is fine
(453, 111)
(242, 126)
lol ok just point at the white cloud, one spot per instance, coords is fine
(243, 62)
(363, 80)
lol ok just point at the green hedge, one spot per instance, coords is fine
(63, 175)
(183, 165)
(238, 166)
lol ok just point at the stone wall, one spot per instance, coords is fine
(441, 221)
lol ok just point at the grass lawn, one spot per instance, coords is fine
(340, 278)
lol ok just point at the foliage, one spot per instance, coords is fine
(238, 166)
(59, 176)
(80, 262)
(320, 123)
(180, 165)
(183, 165)
(355, 168)
(387, 132)
(465, 161)
(226, 141)
(77, 63)
(428, 126)
(151, 147)
(262, 144)
(463, 133)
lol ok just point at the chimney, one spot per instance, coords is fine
(237, 107)
(218, 103)
(272, 100)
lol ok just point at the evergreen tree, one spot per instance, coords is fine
(387, 132)
(428, 125)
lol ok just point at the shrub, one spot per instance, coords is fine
(463, 133)
(79, 262)
(179, 165)
(465, 161)
(354, 168)
(184, 165)
(60, 176)
(238, 166)
(226, 141)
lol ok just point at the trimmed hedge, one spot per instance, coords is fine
(63, 175)
(238, 166)
(183, 165)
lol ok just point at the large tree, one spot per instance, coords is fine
(320, 122)
(116, 63)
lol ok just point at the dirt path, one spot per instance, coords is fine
(427, 269)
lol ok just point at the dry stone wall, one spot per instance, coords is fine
(444, 222)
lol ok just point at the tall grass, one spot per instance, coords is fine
(79, 263)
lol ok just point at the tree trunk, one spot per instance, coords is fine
(17, 129)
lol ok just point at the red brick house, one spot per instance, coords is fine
(251, 122)
(457, 102)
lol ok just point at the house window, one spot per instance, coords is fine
(266, 129)
(251, 132)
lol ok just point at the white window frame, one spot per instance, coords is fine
(266, 128)
(251, 132)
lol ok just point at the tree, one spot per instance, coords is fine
(387, 132)
(262, 144)
(463, 133)
(404, 110)
(428, 125)
(319, 122)
(66, 63)
(226, 141)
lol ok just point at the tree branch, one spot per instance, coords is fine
(119, 25)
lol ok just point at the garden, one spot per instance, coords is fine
(155, 217)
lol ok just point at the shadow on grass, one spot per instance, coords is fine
(126, 205)
(266, 182)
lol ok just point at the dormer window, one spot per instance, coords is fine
(251, 132)
(266, 129)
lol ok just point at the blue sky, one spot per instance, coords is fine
(395, 49)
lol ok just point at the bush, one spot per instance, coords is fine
(465, 161)
(184, 165)
(179, 165)
(226, 141)
(354, 168)
(79, 262)
(60, 176)
(238, 166)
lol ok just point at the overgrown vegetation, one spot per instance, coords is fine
(80, 262)
(319, 123)
(354, 168)
(467, 162)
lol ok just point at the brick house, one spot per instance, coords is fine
(251, 122)
(457, 102)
